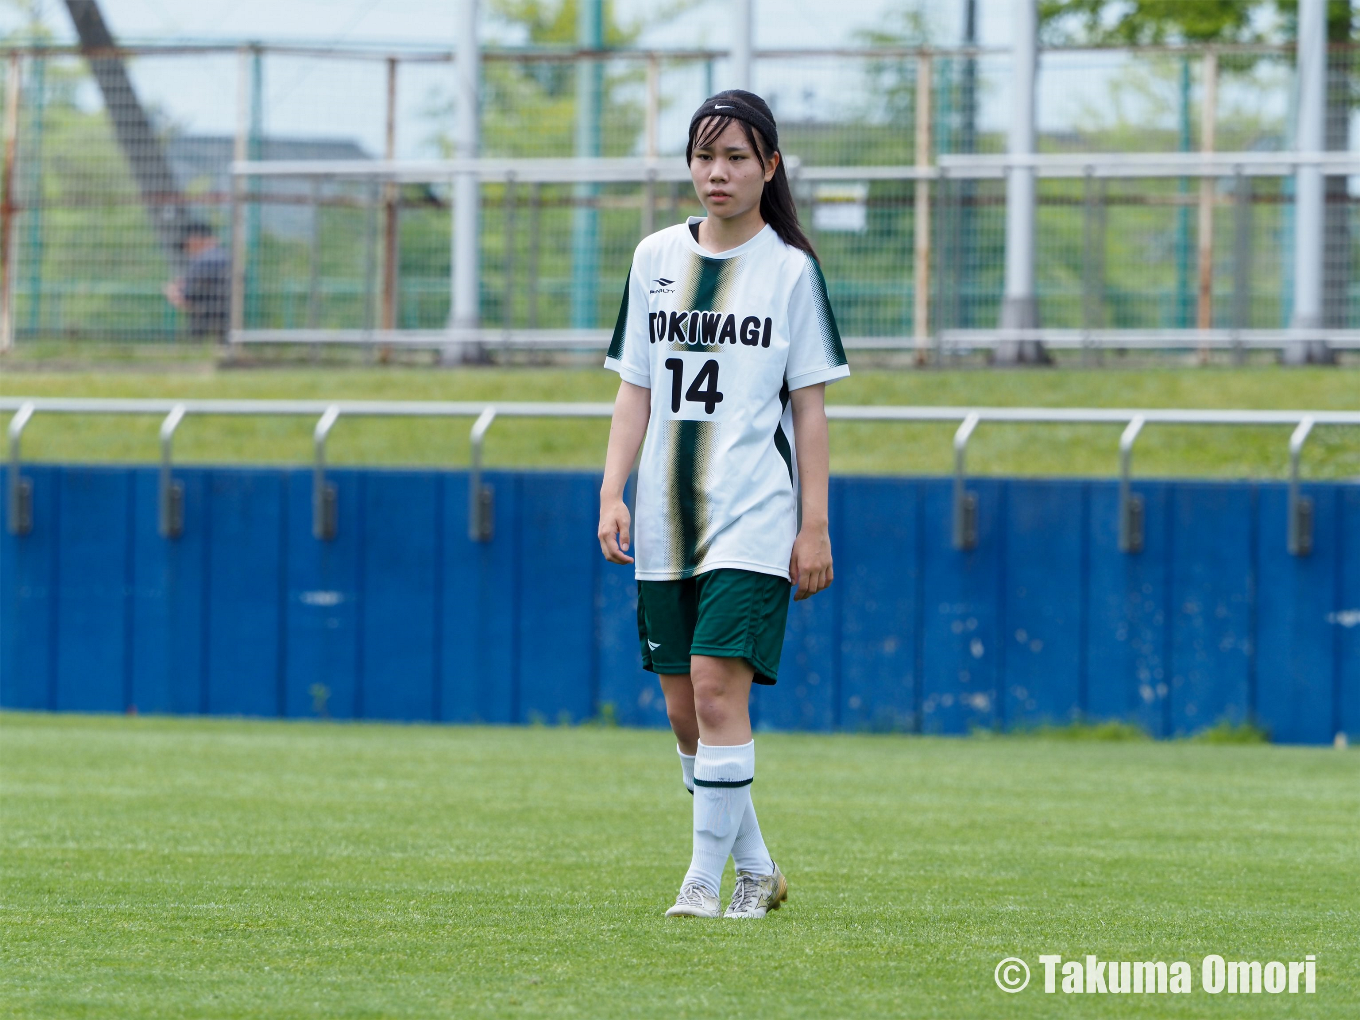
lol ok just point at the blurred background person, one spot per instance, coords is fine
(203, 293)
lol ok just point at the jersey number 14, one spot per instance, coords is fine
(703, 390)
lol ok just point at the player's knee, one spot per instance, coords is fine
(684, 723)
(712, 713)
(711, 699)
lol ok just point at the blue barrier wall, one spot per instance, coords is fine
(402, 617)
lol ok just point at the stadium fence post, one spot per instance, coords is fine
(314, 257)
(742, 31)
(1241, 262)
(652, 128)
(464, 311)
(535, 217)
(507, 313)
(20, 488)
(1299, 540)
(479, 495)
(325, 495)
(1311, 74)
(1130, 503)
(371, 199)
(585, 216)
(171, 492)
(390, 225)
(1019, 310)
(921, 256)
(13, 84)
(964, 530)
(1204, 314)
(237, 310)
(1093, 260)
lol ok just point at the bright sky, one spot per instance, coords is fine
(344, 100)
(779, 23)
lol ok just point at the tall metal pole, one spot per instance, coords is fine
(465, 310)
(585, 220)
(11, 144)
(742, 32)
(389, 278)
(1019, 309)
(1204, 317)
(921, 255)
(1182, 319)
(253, 186)
(966, 254)
(652, 139)
(238, 196)
(37, 121)
(1311, 72)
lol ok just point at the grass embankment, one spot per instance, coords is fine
(185, 868)
(855, 448)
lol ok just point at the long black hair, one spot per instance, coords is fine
(776, 200)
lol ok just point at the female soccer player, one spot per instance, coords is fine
(724, 344)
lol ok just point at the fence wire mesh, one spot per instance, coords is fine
(99, 245)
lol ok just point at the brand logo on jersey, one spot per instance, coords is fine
(653, 645)
(712, 329)
(663, 286)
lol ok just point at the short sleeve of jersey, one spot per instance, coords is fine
(628, 346)
(816, 354)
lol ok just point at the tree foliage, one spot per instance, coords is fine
(1162, 22)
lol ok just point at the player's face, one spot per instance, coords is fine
(728, 177)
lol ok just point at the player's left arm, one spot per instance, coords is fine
(810, 564)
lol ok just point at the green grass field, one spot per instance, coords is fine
(185, 868)
(855, 448)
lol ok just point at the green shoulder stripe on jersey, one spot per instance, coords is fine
(826, 319)
(621, 325)
(723, 782)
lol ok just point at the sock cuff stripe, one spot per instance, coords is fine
(723, 782)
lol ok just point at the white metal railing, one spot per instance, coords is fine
(950, 341)
(325, 518)
(1148, 164)
(649, 171)
(959, 341)
(640, 170)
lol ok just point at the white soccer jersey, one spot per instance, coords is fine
(720, 340)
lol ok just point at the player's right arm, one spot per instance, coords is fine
(629, 355)
(632, 408)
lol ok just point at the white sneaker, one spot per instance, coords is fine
(695, 901)
(757, 895)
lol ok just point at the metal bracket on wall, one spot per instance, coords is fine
(325, 496)
(481, 506)
(965, 529)
(20, 488)
(1130, 503)
(171, 498)
(1300, 524)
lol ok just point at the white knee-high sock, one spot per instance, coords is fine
(748, 849)
(686, 768)
(722, 796)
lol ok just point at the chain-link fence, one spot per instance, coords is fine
(98, 245)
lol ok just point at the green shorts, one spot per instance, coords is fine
(736, 614)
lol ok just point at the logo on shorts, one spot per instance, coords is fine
(652, 644)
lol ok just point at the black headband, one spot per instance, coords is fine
(739, 105)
